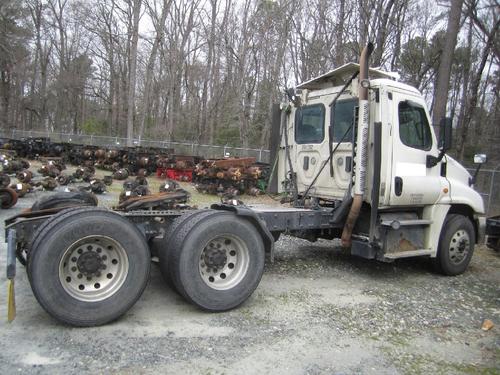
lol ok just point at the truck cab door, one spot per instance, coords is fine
(311, 123)
(413, 184)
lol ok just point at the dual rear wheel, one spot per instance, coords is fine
(214, 259)
(88, 266)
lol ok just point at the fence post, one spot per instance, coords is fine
(491, 191)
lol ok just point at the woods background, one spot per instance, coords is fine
(208, 71)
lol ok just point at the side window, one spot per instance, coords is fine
(414, 130)
(343, 117)
(310, 124)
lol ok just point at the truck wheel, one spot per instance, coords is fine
(8, 197)
(88, 267)
(164, 253)
(456, 245)
(24, 256)
(217, 260)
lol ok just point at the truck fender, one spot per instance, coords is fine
(437, 213)
(259, 224)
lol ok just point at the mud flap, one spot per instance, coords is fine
(11, 273)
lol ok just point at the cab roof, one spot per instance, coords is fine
(339, 76)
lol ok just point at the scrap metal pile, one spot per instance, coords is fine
(224, 177)
(231, 177)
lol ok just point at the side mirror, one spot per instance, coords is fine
(445, 139)
(446, 133)
(480, 158)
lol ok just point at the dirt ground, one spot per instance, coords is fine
(317, 310)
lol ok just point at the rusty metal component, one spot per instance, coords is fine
(97, 186)
(88, 153)
(169, 185)
(56, 161)
(129, 185)
(100, 154)
(84, 173)
(13, 165)
(144, 162)
(121, 174)
(48, 183)
(142, 173)
(112, 155)
(254, 191)
(21, 189)
(163, 162)
(4, 180)
(183, 164)
(131, 189)
(24, 176)
(159, 201)
(64, 179)
(141, 180)
(49, 170)
(230, 177)
(108, 180)
(8, 197)
(234, 162)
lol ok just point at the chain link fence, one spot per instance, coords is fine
(487, 183)
(180, 148)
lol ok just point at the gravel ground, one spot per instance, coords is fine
(317, 311)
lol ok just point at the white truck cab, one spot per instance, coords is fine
(418, 191)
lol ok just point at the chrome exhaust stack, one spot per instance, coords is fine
(361, 146)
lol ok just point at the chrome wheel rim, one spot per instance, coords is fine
(459, 246)
(93, 268)
(224, 262)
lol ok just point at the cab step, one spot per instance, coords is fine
(407, 254)
(396, 224)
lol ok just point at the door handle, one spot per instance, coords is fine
(306, 163)
(398, 186)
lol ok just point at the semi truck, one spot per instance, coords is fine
(356, 158)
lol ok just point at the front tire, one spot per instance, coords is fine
(217, 260)
(90, 268)
(456, 245)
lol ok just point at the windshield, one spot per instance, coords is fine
(310, 124)
(343, 114)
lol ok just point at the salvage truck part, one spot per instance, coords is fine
(8, 197)
(391, 192)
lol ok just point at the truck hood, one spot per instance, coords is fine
(456, 171)
(460, 190)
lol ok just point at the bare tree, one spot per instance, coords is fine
(443, 75)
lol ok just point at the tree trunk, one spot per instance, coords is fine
(443, 75)
(160, 30)
(134, 31)
(473, 95)
(339, 37)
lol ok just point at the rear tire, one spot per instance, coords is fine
(217, 260)
(164, 252)
(88, 267)
(456, 245)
